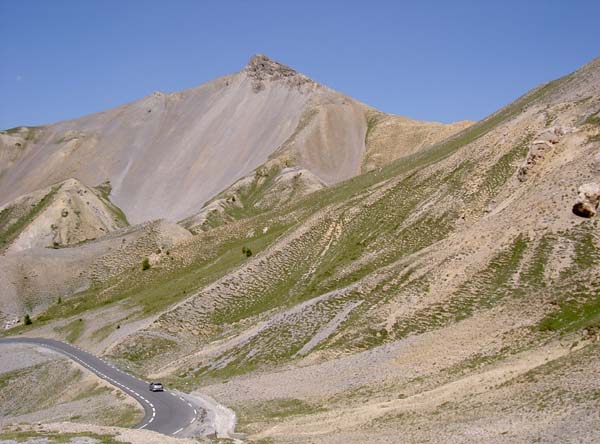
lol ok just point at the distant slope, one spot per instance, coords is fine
(391, 137)
(63, 214)
(33, 279)
(167, 154)
(272, 185)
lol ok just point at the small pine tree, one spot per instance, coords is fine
(27, 320)
(59, 300)
(145, 264)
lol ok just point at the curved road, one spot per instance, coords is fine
(165, 412)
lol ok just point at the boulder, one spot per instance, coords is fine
(588, 199)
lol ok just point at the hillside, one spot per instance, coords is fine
(63, 214)
(36, 278)
(167, 154)
(451, 290)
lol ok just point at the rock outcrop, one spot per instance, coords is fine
(540, 145)
(261, 68)
(588, 199)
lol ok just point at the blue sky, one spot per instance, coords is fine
(431, 60)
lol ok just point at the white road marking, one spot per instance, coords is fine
(116, 383)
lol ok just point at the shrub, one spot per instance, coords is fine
(247, 251)
(145, 264)
(27, 320)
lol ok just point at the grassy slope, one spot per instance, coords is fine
(154, 290)
(103, 192)
(381, 233)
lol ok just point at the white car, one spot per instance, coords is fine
(156, 387)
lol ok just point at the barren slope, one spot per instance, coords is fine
(452, 293)
(63, 214)
(167, 154)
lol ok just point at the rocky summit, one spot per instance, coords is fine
(329, 272)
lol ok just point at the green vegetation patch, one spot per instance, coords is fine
(563, 367)
(72, 330)
(19, 129)
(580, 309)
(505, 167)
(244, 204)
(34, 395)
(578, 291)
(146, 347)
(104, 332)
(34, 436)
(532, 274)
(372, 121)
(161, 287)
(593, 119)
(103, 192)
(96, 390)
(485, 289)
(275, 410)
(476, 362)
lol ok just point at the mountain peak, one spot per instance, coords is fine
(261, 68)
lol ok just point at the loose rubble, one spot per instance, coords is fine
(542, 143)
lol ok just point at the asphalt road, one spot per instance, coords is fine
(165, 412)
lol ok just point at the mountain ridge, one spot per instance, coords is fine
(191, 144)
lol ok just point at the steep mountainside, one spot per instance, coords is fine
(167, 154)
(452, 293)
